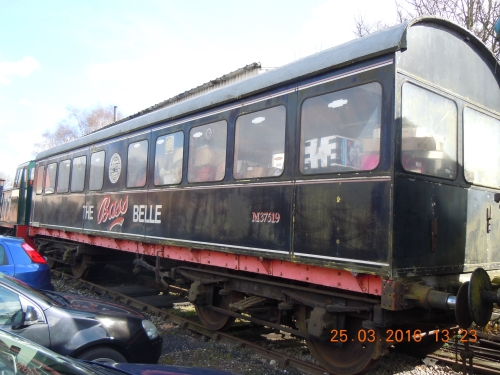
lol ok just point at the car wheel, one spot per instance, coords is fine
(102, 354)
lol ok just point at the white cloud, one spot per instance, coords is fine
(22, 68)
(26, 102)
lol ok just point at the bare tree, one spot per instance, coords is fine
(79, 122)
(363, 27)
(477, 16)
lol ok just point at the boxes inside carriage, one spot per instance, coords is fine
(333, 151)
(209, 163)
(420, 152)
(251, 169)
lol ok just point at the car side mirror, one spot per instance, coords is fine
(30, 316)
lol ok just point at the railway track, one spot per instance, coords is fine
(145, 295)
(485, 355)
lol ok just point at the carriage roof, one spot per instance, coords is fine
(380, 43)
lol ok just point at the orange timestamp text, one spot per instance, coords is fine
(395, 336)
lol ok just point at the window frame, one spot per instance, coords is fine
(333, 87)
(73, 174)
(182, 158)
(59, 191)
(235, 143)
(465, 139)
(54, 181)
(191, 148)
(39, 180)
(145, 166)
(103, 168)
(443, 95)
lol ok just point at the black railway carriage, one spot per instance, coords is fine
(15, 203)
(344, 191)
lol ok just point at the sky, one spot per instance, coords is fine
(134, 54)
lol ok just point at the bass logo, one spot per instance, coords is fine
(114, 211)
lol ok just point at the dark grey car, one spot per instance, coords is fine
(24, 357)
(75, 326)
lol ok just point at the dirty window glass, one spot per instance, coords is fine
(340, 131)
(137, 163)
(481, 152)
(39, 180)
(429, 133)
(63, 177)
(50, 178)
(96, 170)
(78, 175)
(168, 159)
(207, 152)
(17, 180)
(260, 144)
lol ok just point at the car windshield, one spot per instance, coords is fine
(10, 280)
(20, 356)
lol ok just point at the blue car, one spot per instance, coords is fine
(20, 260)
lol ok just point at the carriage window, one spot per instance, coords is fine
(96, 170)
(207, 152)
(78, 175)
(50, 178)
(39, 180)
(341, 130)
(137, 164)
(429, 133)
(17, 180)
(481, 152)
(63, 177)
(260, 144)
(168, 159)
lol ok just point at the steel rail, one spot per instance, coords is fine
(485, 360)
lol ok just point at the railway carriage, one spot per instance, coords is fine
(339, 198)
(15, 203)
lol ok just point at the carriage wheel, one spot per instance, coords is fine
(82, 267)
(354, 357)
(427, 344)
(212, 319)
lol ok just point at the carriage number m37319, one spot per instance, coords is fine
(265, 217)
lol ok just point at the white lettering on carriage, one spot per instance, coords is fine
(140, 214)
(88, 212)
